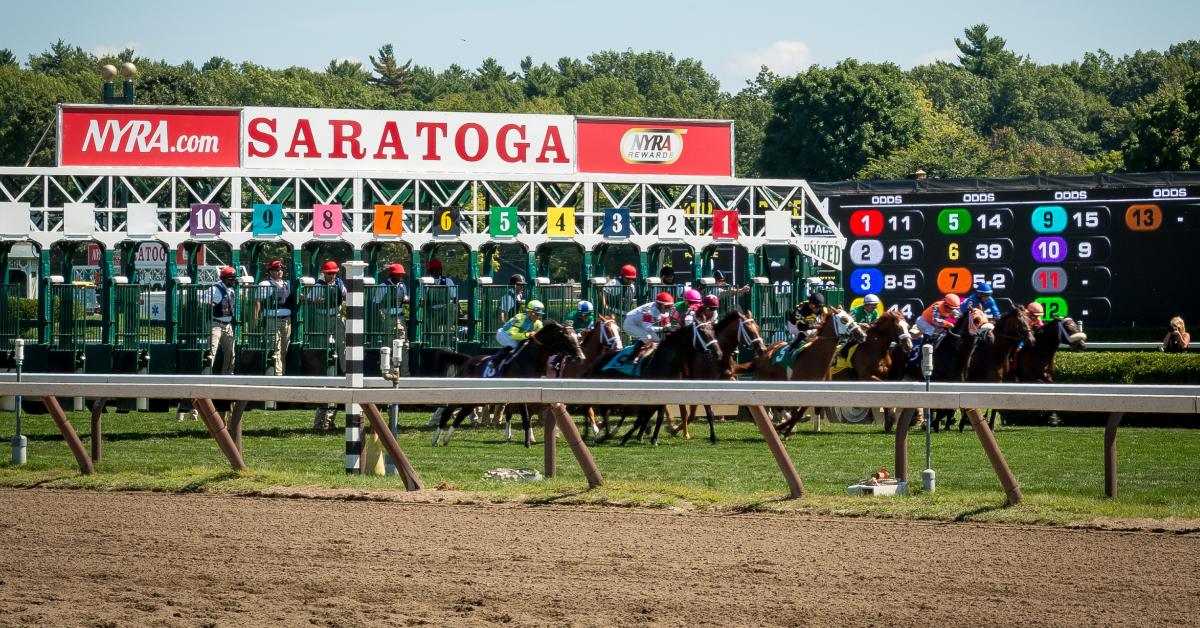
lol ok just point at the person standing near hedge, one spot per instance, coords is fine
(1178, 339)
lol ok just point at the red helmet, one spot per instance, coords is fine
(275, 265)
(665, 298)
(396, 269)
(628, 272)
(434, 266)
(711, 300)
(329, 267)
(227, 271)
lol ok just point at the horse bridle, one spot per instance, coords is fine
(699, 342)
(607, 339)
(744, 336)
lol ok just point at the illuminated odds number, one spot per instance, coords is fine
(955, 279)
(1094, 250)
(616, 222)
(205, 219)
(866, 280)
(1089, 219)
(866, 223)
(1053, 307)
(954, 221)
(327, 220)
(905, 222)
(952, 252)
(1143, 217)
(266, 219)
(905, 251)
(389, 220)
(985, 251)
(999, 280)
(1048, 219)
(446, 222)
(866, 252)
(725, 224)
(560, 222)
(905, 280)
(994, 220)
(1049, 249)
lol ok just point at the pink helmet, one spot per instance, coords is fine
(692, 295)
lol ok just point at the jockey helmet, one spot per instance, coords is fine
(692, 295)
(628, 272)
(585, 307)
(536, 307)
(329, 267)
(1035, 310)
(711, 300)
(983, 287)
(952, 300)
(664, 298)
(275, 265)
(870, 299)
(816, 298)
(434, 266)
(516, 280)
(227, 271)
(396, 270)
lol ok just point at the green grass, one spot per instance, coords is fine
(1060, 469)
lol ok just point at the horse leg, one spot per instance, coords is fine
(527, 425)
(590, 417)
(443, 419)
(506, 418)
(662, 413)
(634, 428)
(712, 425)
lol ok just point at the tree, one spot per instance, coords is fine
(393, 76)
(490, 73)
(750, 110)
(827, 123)
(1164, 131)
(8, 59)
(947, 148)
(961, 94)
(982, 54)
(61, 59)
(605, 96)
(348, 69)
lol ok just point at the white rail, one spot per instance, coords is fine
(440, 391)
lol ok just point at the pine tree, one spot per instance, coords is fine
(393, 76)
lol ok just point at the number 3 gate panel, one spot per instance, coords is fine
(1060, 247)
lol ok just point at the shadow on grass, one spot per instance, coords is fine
(974, 512)
(550, 500)
(191, 432)
(198, 484)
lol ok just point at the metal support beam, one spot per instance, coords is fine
(1110, 453)
(767, 429)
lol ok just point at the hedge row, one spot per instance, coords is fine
(1126, 367)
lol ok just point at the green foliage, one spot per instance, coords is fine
(1165, 129)
(8, 59)
(1103, 367)
(829, 122)
(982, 54)
(393, 75)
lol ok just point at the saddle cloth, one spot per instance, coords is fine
(622, 363)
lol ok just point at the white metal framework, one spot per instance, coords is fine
(47, 205)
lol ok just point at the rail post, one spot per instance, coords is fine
(1110, 453)
(216, 428)
(235, 422)
(412, 480)
(98, 429)
(903, 423)
(990, 447)
(69, 435)
(548, 442)
(19, 443)
(763, 420)
(578, 447)
(353, 347)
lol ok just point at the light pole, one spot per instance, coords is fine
(20, 444)
(108, 94)
(928, 476)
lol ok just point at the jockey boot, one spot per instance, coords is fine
(646, 348)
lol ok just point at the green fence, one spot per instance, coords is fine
(320, 316)
(75, 319)
(774, 302)
(560, 299)
(385, 316)
(490, 315)
(18, 316)
(727, 298)
(139, 317)
(193, 317)
(256, 329)
(437, 311)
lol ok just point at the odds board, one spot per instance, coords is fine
(1112, 257)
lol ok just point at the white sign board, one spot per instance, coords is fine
(670, 224)
(79, 219)
(407, 141)
(14, 219)
(778, 225)
(141, 219)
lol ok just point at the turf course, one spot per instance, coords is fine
(1060, 468)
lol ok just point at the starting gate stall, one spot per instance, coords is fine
(560, 275)
(442, 320)
(387, 317)
(319, 330)
(16, 319)
(77, 309)
(491, 305)
(612, 294)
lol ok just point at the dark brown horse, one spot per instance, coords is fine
(1035, 362)
(735, 330)
(528, 360)
(598, 344)
(994, 358)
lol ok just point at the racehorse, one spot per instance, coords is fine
(1035, 362)
(871, 359)
(730, 337)
(994, 357)
(528, 360)
(951, 352)
(811, 362)
(599, 344)
(692, 348)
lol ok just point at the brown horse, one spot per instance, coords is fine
(872, 359)
(599, 344)
(735, 330)
(1035, 362)
(812, 362)
(994, 356)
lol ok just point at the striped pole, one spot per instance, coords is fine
(354, 362)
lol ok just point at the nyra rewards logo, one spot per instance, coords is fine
(652, 146)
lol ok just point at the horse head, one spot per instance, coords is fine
(843, 324)
(1014, 325)
(558, 338)
(605, 335)
(747, 331)
(894, 328)
(977, 322)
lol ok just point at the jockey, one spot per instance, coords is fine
(1035, 312)
(691, 302)
(518, 328)
(804, 317)
(583, 317)
(868, 312)
(939, 317)
(648, 323)
(706, 313)
(982, 299)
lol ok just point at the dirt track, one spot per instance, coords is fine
(94, 558)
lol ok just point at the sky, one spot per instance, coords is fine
(732, 39)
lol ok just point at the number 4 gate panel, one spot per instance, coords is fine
(1110, 257)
